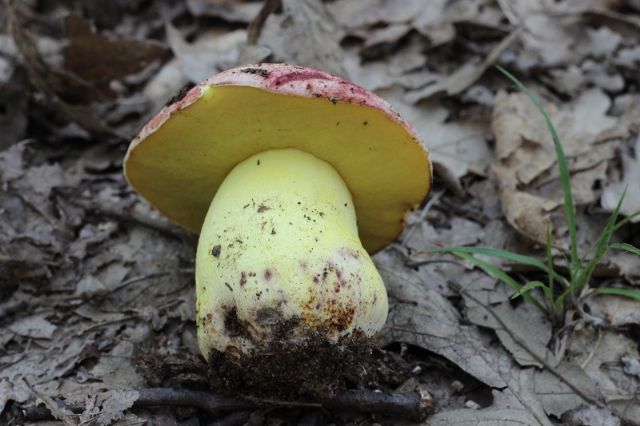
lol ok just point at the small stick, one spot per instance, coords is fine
(414, 405)
(255, 27)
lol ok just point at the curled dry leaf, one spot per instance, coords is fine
(525, 162)
(96, 58)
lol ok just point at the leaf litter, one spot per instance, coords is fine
(91, 276)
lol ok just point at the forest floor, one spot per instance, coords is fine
(96, 287)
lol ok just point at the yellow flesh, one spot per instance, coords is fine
(179, 167)
(280, 243)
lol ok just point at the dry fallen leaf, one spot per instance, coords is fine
(105, 408)
(96, 58)
(52, 82)
(590, 416)
(102, 274)
(36, 327)
(614, 310)
(304, 34)
(513, 324)
(229, 10)
(601, 352)
(505, 410)
(628, 185)
(206, 56)
(525, 162)
(465, 76)
(423, 317)
(458, 146)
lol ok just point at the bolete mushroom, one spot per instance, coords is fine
(291, 176)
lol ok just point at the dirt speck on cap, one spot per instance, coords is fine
(258, 71)
(181, 94)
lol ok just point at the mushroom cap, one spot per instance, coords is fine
(180, 158)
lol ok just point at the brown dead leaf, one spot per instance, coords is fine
(96, 58)
(528, 214)
(525, 162)
(53, 82)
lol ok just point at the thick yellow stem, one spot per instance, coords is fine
(279, 251)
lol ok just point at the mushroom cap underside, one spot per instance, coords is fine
(181, 157)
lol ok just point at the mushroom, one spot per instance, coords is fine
(292, 177)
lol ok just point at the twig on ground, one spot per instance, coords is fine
(130, 213)
(414, 405)
(255, 27)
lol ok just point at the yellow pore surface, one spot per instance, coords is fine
(279, 258)
(179, 167)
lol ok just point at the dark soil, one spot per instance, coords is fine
(315, 368)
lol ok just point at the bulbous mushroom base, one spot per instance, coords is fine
(282, 280)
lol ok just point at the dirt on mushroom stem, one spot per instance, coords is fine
(314, 368)
(293, 373)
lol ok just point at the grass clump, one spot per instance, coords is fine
(557, 289)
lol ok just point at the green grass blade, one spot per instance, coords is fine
(626, 220)
(562, 164)
(498, 274)
(626, 247)
(549, 290)
(502, 254)
(527, 288)
(624, 292)
(601, 246)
